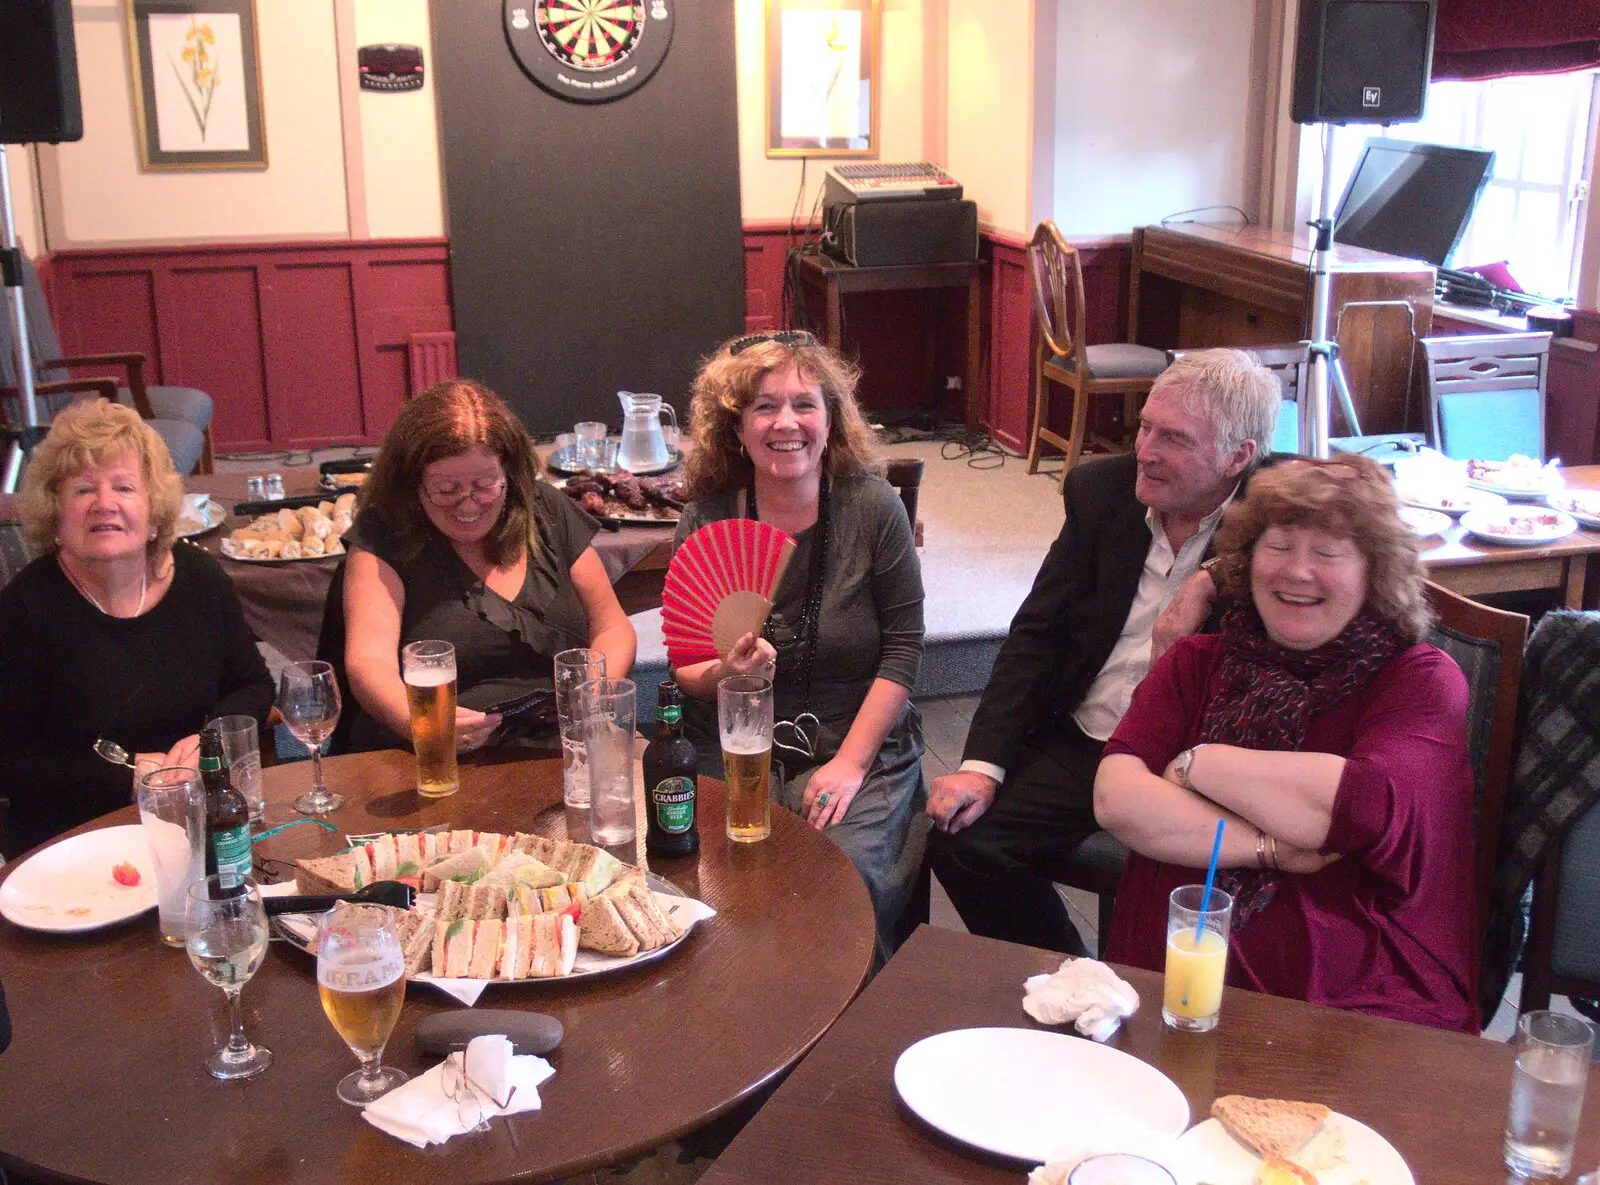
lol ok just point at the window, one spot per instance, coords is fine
(1531, 213)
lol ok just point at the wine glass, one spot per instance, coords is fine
(308, 698)
(225, 933)
(361, 980)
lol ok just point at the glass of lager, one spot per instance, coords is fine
(361, 980)
(429, 671)
(744, 721)
(226, 935)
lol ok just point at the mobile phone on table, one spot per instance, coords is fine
(539, 702)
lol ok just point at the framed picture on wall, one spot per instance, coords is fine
(823, 77)
(196, 70)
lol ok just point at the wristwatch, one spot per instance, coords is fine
(1182, 764)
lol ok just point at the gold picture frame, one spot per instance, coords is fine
(824, 72)
(196, 72)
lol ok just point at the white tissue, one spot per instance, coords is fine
(1082, 991)
(421, 1112)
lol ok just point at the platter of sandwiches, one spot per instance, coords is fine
(1250, 1141)
(506, 908)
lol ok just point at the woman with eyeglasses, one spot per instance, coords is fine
(779, 438)
(1331, 739)
(456, 539)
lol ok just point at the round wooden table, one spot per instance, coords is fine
(103, 1081)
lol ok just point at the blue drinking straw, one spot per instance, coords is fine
(1211, 879)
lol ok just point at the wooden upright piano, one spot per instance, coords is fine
(1201, 284)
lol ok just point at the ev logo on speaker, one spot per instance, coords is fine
(1372, 96)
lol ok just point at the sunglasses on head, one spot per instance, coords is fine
(1343, 470)
(784, 337)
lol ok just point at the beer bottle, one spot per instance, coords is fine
(227, 814)
(670, 766)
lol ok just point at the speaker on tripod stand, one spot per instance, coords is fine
(1356, 61)
(39, 102)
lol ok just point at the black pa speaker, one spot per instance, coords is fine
(893, 233)
(1362, 61)
(38, 73)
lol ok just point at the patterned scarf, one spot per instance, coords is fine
(1267, 698)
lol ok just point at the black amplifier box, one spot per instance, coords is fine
(888, 233)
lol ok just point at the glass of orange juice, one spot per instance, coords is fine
(1197, 958)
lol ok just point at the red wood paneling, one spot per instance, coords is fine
(299, 344)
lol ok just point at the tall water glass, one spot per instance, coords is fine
(1197, 958)
(361, 981)
(1547, 1084)
(241, 745)
(574, 668)
(608, 707)
(429, 671)
(308, 698)
(172, 809)
(744, 724)
(591, 436)
(226, 933)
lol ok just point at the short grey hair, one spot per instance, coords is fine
(1231, 389)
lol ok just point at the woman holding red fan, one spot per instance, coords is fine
(779, 439)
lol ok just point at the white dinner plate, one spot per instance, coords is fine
(212, 514)
(1522, 493)
(1583, 505)
(1492, 525)
(68, 887)
(1344, 1152)
(1454, 501)
(1425, 523)
(1022, 1092)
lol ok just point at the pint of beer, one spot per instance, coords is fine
(744, 719)
(429, 671)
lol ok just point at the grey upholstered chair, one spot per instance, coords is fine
(181, 416)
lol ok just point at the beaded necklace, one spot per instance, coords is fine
(780, 632)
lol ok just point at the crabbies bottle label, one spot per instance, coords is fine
(673, 800)
(231, 848)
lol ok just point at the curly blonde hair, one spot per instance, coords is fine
(729, 381)
(87, 435)
(1350, 496)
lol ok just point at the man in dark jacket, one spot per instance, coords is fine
(1137, 529)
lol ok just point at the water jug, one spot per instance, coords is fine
(644, 445)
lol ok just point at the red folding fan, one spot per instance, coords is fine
(719, 587)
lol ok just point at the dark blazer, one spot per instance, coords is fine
(1073, 615)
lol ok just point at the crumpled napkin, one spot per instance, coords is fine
(421, 1112)
(1131, 1138)
(1084, 991)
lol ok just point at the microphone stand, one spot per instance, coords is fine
(1327, 369)
(19, 442)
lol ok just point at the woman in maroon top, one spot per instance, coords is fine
(1331, 739)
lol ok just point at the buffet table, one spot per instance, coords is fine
(104, 1080)
(283, 600)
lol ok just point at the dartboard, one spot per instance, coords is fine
(589, 51)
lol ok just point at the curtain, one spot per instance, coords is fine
(1476, 39)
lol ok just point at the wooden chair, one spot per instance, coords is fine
(1486, 394)
(905, 475)
(181, 416)
(1487, 644)
(1060, 356)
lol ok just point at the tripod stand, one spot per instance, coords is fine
(1326, 370)
(19, 441)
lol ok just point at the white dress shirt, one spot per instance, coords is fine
(1106, 701)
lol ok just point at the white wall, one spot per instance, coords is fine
(989, 128)
(768, 187)
(96, 192)
(1152, 110)
(399, 132)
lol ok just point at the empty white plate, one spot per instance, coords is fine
(1022, 1092)
(68, 887)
